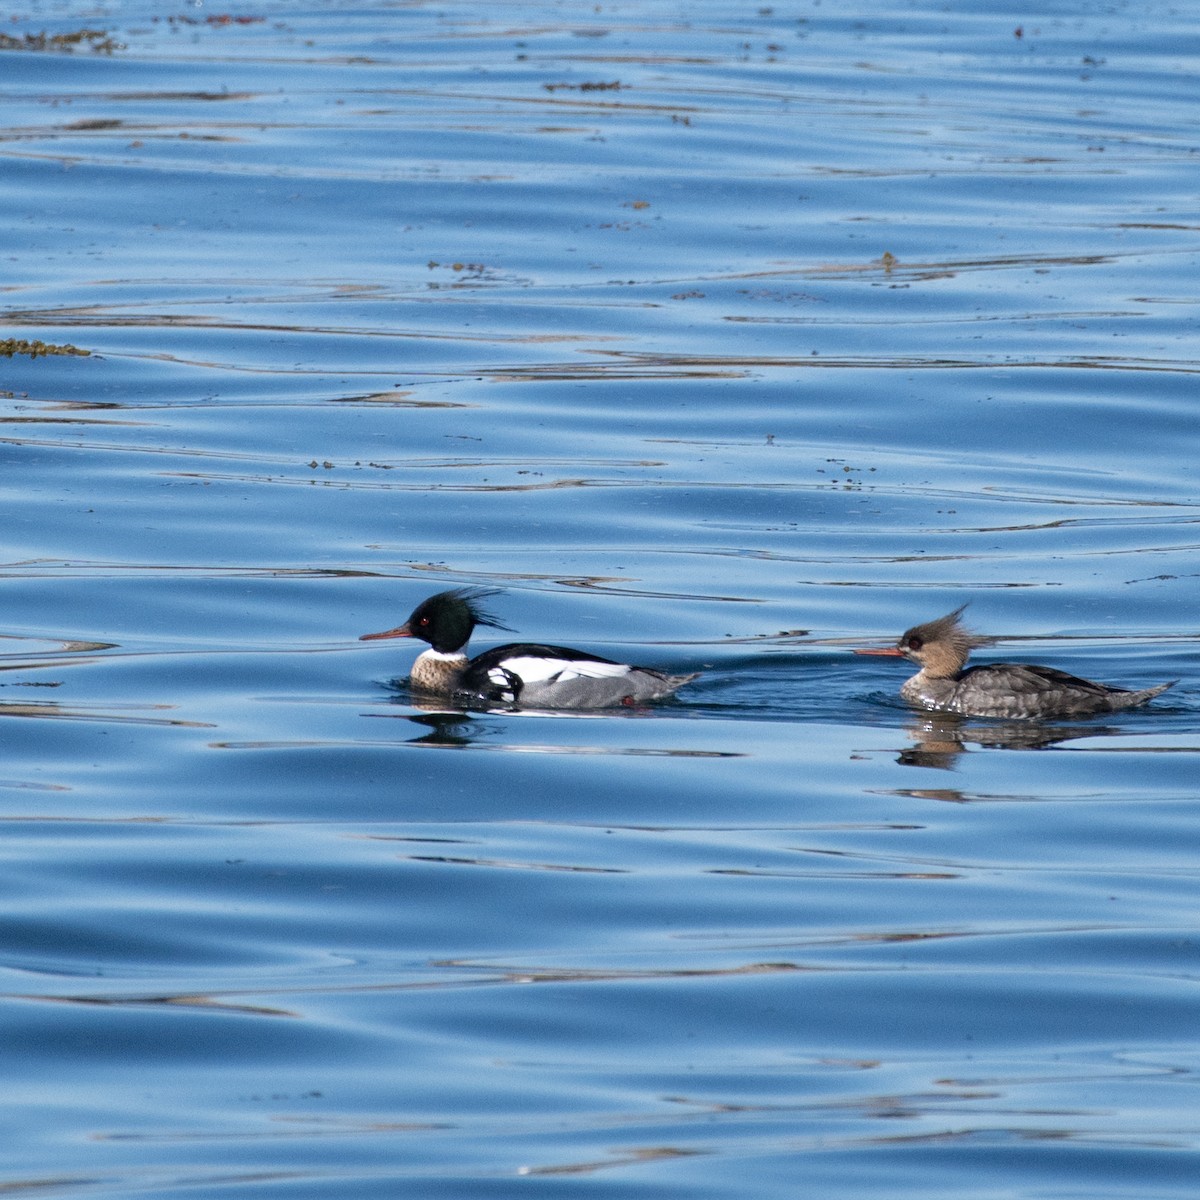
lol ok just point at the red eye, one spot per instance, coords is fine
(915, 643)
(423, 621)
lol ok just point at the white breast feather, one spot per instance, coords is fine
(543, 670)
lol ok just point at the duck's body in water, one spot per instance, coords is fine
(525, 674)
(1010, 690)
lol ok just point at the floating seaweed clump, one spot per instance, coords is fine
(98, 40)
(11, 346)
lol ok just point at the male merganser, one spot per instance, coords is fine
(532, 675)
(1013, 690)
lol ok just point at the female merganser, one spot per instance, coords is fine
(531, 675)
(1013, 690)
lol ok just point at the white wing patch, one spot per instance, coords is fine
(559, 670)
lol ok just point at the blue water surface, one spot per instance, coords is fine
(723, 339)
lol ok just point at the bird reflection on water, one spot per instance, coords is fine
(939, 739)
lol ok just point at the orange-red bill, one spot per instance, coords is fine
(890, 652)
(399, 631)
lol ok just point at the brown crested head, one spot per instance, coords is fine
(940, 647)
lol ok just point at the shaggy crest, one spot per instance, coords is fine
(471, 597)
(953, 641)
(446, 620)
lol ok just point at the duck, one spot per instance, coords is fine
(1014, 691)
(519, 674)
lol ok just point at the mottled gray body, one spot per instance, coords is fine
(1009, 690)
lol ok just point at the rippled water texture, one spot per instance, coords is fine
(724, 339)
